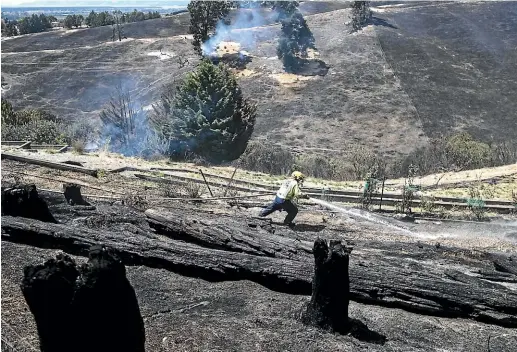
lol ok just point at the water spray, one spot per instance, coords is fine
(354, 213)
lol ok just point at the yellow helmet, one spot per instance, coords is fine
(297, 175)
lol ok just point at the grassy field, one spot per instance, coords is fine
(418, 72)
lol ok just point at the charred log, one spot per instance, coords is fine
(91, 308)
(257, 238)
(24, 201)
(73, 194)
(374, 279)
(328, 308)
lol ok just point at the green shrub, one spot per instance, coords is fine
(37, 131)
(316, 166)
(455, 153)
(267, 158)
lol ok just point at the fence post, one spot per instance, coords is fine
(206, 182)
(382, 192)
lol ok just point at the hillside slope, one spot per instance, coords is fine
(377, 92)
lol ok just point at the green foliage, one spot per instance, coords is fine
(32, 125)
(37, 131)
(71, 21)
(475, 203)
(8, 114)
(295, 39)
(361, 14)
(408, 191)
(19, 118)
(207, 115)
(137, 16)
(284, 8)
(204, 16)
(459, 152)
(9, 28)
(99, 19)
(34, 24)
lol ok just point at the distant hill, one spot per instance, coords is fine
(421, 70)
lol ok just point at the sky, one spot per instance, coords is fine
(97, 3)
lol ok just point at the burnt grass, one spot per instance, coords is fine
(419, 71)
(458, 63)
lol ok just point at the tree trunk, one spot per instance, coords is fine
(328, 308)
(400, 282)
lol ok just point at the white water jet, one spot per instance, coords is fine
(368, 216)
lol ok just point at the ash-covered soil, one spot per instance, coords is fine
(188, 314)
(458, 64)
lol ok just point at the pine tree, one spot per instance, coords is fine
(296, 38)
(207, 115)
(204, 16)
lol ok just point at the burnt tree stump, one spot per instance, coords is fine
(73, 194)
(106, 307)
(90, 308)
(48, 290)
(24, 201)
(328, 308)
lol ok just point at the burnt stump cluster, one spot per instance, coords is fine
(92, 307)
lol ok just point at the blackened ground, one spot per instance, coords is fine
(458, 64)
(188, 314)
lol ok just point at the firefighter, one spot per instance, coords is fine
(287, 197)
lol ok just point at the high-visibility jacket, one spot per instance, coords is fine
(289, 190)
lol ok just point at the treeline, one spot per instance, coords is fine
(41, 23)
(26, 25)
(98, 19)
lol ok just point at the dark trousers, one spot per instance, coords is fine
(279, 203)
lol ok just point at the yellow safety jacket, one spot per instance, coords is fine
(289, 190)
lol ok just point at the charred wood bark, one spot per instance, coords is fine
(255, 239)
(399, 283)
(328, 308)
(24, 201)
(73, 195)
(91, 308)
